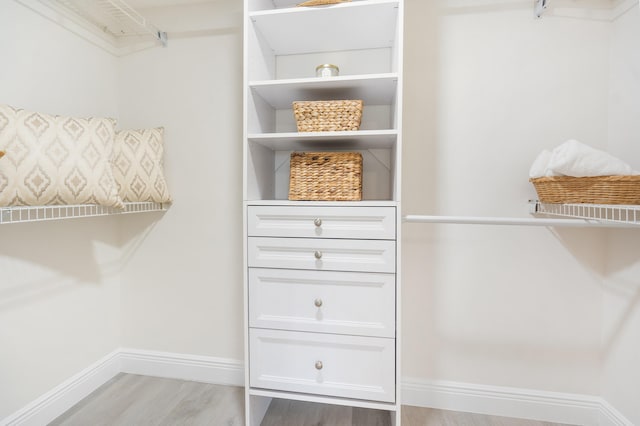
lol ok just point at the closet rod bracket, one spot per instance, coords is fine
(162, 38)
(540, 7)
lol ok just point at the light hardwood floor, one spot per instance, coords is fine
(131, 400)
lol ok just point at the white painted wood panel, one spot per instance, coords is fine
(327, 364)
(327, 141)
(330, 302)
(373, 89)
(357, 25)
(322, 254)
(322, 222)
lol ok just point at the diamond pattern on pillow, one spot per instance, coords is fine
(138, 165)
(52, 159)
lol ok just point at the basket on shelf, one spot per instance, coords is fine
(320, 2)
(325, 176)
(328, 116)
(590, 190)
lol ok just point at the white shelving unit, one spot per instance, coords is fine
(306, 337)
(45, 213)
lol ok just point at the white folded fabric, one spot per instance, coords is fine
(574, 158)
(539, 168)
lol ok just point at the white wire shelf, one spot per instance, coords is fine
(602, 213)
(568, 215)
(114, 17)
(42, 213)
(505, 221)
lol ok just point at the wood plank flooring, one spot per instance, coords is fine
(131, 400)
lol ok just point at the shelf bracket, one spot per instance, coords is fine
(540, 7)
(162, 38)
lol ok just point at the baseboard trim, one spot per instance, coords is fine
(609, 416)
(546, 406)
(204, 369)
(483, 399)
(64, 396)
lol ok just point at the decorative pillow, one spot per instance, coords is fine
(138, 165)
(52, 159)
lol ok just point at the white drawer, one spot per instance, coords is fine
(326, 364)
(322, 222)
(322, 254)
(327, 301)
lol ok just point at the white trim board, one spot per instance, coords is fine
(67, 394)
(503, 401)
(221, 371)
(484, 399)
(149, 363)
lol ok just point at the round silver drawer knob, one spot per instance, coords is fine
(317, 222)
(318, 302)
(318, 255)
(318, 365)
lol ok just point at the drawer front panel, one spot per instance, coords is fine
(322, 222)
(331, 302)
(322, 254)
(326, 364)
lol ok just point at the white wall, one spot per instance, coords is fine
(621, 346)
(59, 284)
(490, 88)
(182, 280)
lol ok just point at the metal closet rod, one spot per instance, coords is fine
(513, 221)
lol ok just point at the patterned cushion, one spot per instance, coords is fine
(138, 165)
(52, 159)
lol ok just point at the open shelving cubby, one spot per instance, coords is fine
(363, 41)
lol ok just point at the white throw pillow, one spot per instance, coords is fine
(138, 165)
(53, 159)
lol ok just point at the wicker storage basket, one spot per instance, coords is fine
(592, 189)
(326, 176)
(327, 116)
(320, 2)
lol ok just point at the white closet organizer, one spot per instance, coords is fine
(322, 282)
(42, 213)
